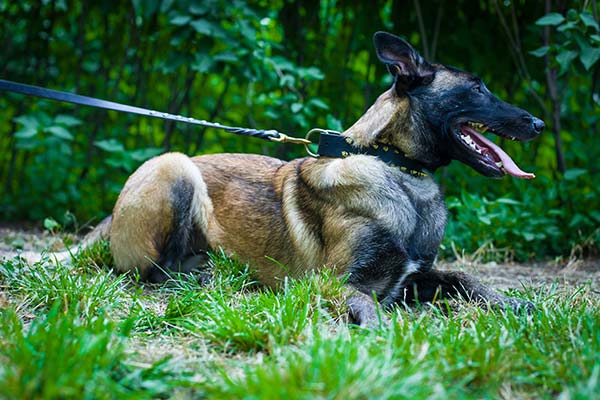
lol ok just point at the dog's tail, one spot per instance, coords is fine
(100, 232)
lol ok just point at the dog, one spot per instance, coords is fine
(378, 223)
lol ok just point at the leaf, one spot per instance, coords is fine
(18, 243)
(166, 5)
(574, 173)
(198, 8)
(540, 52)
(319, 103)
(66, 120)
(485, 219)
(110, 146)
(202, 26)
(28, 121)
(247, 31)
(528, 236)
(589, 56)
(208, 28)
(59, 132)
(146, 8)
(202, 63)
(180, 20)
(144, 154)
(506, 200)
(51, 224)
(311, 73)
(287, 80)
(26, 133)
(334, 123)
(282, 63)
(550, 19)
(588, 20)
(296, 107)
(226, 56)
(595, 38)
(568, 26)
(595, 214)
(565, 58)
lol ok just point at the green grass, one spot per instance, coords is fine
(84, 332)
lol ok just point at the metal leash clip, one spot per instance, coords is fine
(310, 133)
(283, 138)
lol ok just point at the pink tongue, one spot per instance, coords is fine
(507, 162)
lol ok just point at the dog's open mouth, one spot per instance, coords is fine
(487, 152)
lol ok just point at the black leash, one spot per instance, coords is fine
(331, 143)
(30, 90)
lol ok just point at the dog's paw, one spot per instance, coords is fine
(365, 313)
(371, 321)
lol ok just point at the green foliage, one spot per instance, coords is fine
(232, 340)
(290, 66)
(331, 367)
(63, 355)
(57, 357)
(528, 225)
(466, 353)
(42, 287)
(235, 319)
(97, 254)
(118, 157)
(579, 39)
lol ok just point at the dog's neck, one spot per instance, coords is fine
(386, 121)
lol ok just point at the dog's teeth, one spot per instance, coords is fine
(478, 126)
(499, 164)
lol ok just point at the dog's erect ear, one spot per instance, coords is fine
(409, 69)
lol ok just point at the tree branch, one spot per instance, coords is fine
(551, 82)
(422, 32)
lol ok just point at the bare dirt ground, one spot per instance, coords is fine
(562, 272)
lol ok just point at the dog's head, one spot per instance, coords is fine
(449, 110)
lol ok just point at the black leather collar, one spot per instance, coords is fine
(338, 146)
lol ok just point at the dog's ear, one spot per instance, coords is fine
(409, 69)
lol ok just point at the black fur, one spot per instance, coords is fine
(427, 286)
(184, 237)
(439, 109)
(378, 263)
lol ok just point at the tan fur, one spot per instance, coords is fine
(248, 204)
(383, 121)
(143, 214)
(447, 79)
(356, 214)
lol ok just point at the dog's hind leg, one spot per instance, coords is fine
(436, 284)
(161, 218)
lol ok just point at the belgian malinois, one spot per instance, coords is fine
(375, 221)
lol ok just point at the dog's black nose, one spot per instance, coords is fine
(538, 125)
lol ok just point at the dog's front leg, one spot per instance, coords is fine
(364, 311)
(435, 284)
